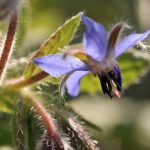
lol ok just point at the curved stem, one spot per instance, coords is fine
(22, 82)
(7, 50)
(47, 120)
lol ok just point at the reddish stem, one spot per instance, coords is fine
(22, 82)
(6, 53)
(47, 120)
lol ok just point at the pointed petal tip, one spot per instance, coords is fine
(87, 20)
(56, 65)
(36, 60)
(129, 42)
(94, 38)
(83, 17)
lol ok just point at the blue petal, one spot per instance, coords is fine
(119, 77)
(129, 42)
(94, 39)
(73, 82)
(56, 65)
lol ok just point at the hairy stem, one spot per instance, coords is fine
(22, 82)
(47, 121)
(7, 50)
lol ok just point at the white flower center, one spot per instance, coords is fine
(104, 66)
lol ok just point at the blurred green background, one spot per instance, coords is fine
(125, 122)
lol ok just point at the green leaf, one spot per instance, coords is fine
(64, 114)
(8, 100)
(130, 73)
(5, 106)
(6, 133)
(75, 127)
(54, 43)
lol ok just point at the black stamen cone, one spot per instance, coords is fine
(111, 82)
(116, 79)
(115, 74)
(105, 84)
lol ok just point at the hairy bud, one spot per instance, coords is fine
(7, 7)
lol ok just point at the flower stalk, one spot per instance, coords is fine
(7, 50)
(98, 56)
(47, 120)
(22, 82)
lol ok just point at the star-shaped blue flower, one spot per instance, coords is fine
(100, 50)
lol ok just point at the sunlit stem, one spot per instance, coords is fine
(7, 49)
(22, 82)
(46, 119)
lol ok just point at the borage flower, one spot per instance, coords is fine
(98, 57)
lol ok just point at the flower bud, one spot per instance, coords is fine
(7, 7)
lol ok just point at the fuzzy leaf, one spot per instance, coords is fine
(54, 43)
(70, 124)
(74, 128)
